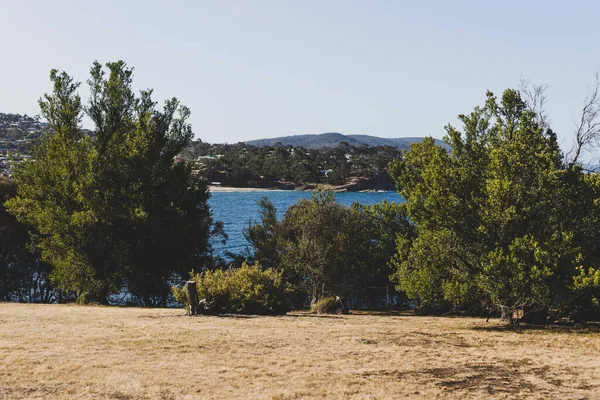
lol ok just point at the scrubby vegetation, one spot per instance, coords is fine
(334, 139)
(244, 290)
(329, 305)
(497, 221)
(502, 220)
(327, 249)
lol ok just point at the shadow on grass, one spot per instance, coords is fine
(299, 315)
(236, 316)
(232, 316)
(306, 314)
(383, 313)
(575, 328)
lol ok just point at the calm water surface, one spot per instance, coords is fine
(235, 209)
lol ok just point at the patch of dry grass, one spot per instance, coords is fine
(77, 352)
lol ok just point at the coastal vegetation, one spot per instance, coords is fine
(293, 167)
(496, 222)
(112, 213)
(325, 248)
(501, 223)
(501, 220)
(244, 290)
(361, 200)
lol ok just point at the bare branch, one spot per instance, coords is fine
(535, 98)
(587, 133)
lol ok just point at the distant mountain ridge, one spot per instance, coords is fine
(333, 139)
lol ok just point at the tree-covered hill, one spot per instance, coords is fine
(358, 167)
(18, 131)
(333, 139)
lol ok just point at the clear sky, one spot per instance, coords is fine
(253, 69)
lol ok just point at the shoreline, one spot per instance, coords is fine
(231, 189)
(215, 189)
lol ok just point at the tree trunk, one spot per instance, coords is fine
(535, 315)
(314, 298)
(192, 296)
(506, 314)
(103, 296)
(318, 291)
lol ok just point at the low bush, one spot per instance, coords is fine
(244, 290)
(329, 305)
(83, 299)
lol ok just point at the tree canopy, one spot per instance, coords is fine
(115, 212)
(498, 219)
(326, 248)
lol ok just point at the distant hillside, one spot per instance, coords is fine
(20, 127)
(18, 131)
(334, 139)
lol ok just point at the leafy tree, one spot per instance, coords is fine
(387, 222)
(263, 235)
(54, 191)
(114, 211)
(327, 244)
(498, 219)
(326, 248)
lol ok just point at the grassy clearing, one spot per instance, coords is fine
(78, 352)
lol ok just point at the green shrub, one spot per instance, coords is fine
(329, 305)
(244, 290)
(86, 298)
(179, 295)
(83, 299)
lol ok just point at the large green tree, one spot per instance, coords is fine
(117, 211)
(326, 244)
(326, 248)
(498, 219)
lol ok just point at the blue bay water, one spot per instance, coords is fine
(235, 209)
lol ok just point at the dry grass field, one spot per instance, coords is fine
(74, 352)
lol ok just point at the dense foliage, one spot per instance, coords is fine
(325, 248)
(329, 305)
(499, 220)
(113, 211)
(244, 290)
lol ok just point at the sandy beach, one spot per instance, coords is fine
(214, 188)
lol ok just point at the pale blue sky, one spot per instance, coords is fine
(252, 69)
